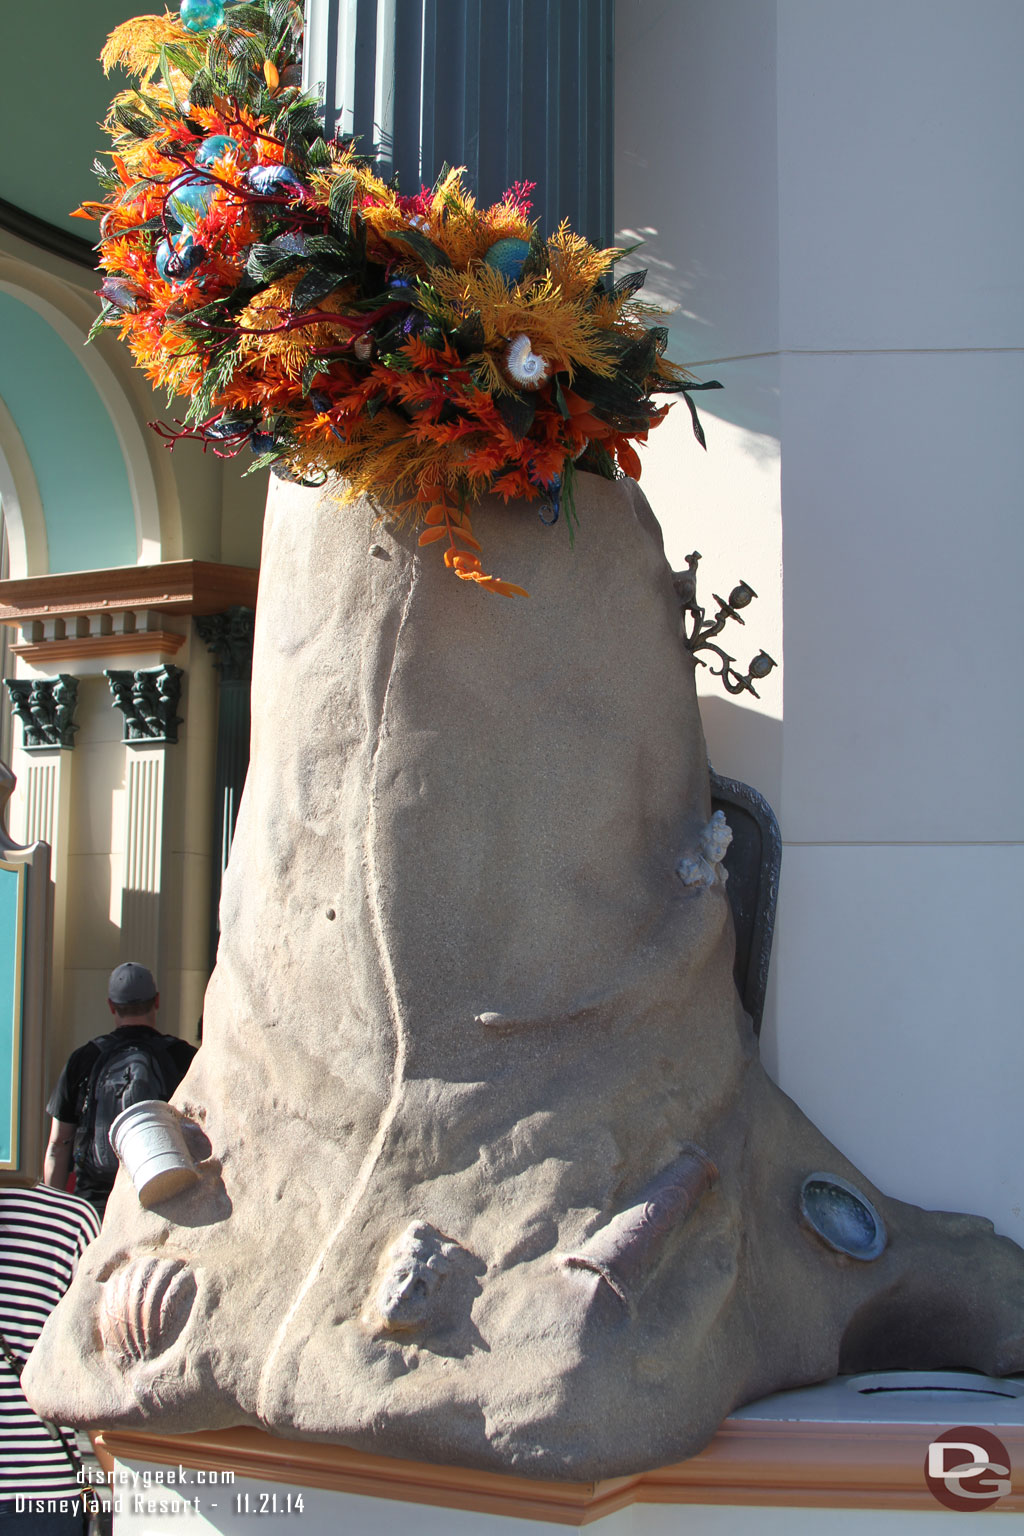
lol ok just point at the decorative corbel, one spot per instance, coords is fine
(149, 700)
(46, 708)
(228, 638)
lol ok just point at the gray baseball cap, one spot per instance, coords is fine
(131, 983)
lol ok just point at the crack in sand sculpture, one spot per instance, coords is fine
(463, 992)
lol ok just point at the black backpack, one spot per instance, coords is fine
(125, 1072)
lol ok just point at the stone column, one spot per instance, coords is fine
(228, 638)
(42, 766)
(148, 699)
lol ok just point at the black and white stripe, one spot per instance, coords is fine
(43, 1233)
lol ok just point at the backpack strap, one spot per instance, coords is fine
(17, 1365)
(86, 1097)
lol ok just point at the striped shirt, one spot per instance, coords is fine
(43, 1233)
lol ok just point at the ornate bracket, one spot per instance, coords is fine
(698, 634)
(46, 708)
(228, 638)
(148, 699)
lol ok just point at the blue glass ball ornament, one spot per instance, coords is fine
(176, 260)
(272, 180)
(215, 148)
(201, 15)
(508, 257)
(189, 200)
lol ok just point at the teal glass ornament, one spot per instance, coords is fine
(176, 260)
(189, 200)
(508, 257)
(164, 252)
(215, 148)
(201, 15)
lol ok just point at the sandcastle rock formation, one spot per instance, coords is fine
(490, 1171)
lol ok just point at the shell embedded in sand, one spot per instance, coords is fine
(145, 1306)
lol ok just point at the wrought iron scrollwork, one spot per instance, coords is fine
(698, 631)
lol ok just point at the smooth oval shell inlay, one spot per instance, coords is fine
(842, 1216)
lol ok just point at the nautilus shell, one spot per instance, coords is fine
(145, 1306)
(524, 365)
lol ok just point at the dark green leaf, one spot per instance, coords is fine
(340, 202)
(425, 249)
(469, 336)
(324, 246)
(134, 122)
(536, 263)
(310, 370)
(264, 263)
(201, 92)
(315, 285)
(698, 430)
(639, 357)
(150, 227)
(596, 460)
(264, 461)
(630, 284)
(375, 405)
(619, 395)
(560, 400)
(516, 411)
(679, 386)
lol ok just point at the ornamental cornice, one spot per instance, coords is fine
(132, 610)
(175, 586)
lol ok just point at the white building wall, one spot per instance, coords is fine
(278, 1509)
(836, 208)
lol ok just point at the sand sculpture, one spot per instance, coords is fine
(489, 1170)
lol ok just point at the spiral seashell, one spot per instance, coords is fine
(524, 365)
(145, 1306)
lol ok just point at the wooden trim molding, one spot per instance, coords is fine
(156, 642)
(765, 1462)
(176, 586)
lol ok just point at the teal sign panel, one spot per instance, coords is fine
(12, 944)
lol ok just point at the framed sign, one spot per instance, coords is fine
(12, 961)
(25, 957)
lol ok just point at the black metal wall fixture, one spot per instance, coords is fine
(514, 90)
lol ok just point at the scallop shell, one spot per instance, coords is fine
(145, 1306)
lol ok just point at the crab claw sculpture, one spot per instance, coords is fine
(489, 1170)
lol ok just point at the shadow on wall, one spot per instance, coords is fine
(744, 744)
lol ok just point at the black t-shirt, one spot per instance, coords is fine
(65, 1102)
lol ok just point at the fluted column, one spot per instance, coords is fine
(149, 699)
(142, 882)
(41, 810)
(228, 638)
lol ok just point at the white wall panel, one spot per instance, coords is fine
(900, 199)
(898, 1016)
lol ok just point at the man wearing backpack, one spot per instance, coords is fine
(133, 1062)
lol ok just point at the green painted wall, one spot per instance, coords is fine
(83, 482)
(54, 94)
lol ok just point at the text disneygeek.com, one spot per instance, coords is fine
(165, 1491)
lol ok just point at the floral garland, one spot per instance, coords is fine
(425, 350)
